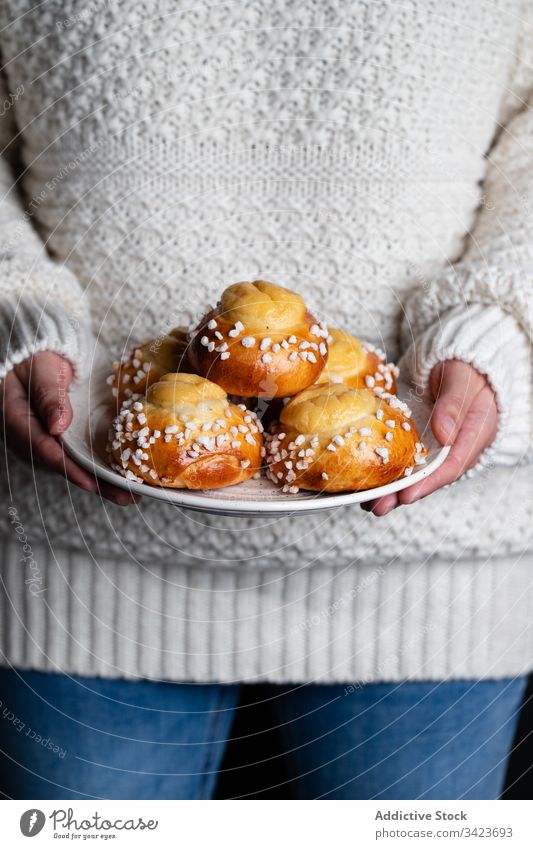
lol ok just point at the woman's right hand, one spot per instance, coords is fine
(35, 410)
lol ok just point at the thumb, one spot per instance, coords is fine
(454, 385)
(50, 376)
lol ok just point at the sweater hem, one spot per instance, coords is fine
(432, 620)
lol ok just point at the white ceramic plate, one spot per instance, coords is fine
(86, 438)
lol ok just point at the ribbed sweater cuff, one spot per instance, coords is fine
(32, 324)
(494, 344)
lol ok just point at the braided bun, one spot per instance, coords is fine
(357, 364)
(147, 363)
(332, 438)
(260, 341)
(185, 434)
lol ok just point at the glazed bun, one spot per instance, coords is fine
(332, 438)
(357, 364)
(148, 362)
(260, 341)
(185, 434)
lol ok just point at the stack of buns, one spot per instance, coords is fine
(185, 400)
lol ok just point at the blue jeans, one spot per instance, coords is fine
(78, 738)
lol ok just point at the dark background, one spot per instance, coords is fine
(254, 766)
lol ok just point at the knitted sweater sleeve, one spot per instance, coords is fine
(42, 306)
(480, 309)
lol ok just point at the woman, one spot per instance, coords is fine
(376, 159)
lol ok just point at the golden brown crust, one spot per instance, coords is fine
(333, 438)
(357, 364)
(260, 341)
(148, 362)
(185, 434)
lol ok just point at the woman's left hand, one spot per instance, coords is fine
(465, 416)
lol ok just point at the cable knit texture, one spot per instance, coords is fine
(376, 158)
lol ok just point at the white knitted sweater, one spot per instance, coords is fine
(376, 157)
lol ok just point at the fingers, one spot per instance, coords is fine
(477, 433)
(454, 385)
(47, 451)
(26, 436)
(465, 416)
(49, 377)
(381, 506)
(118, 496)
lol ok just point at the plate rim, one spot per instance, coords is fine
(198, 501)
